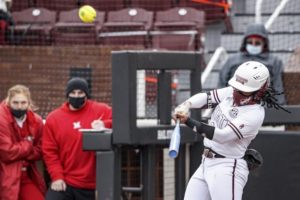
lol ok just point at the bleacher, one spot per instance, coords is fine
(283, 33)
(118, 22)
(41, 26)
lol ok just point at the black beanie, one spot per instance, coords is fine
(77, 84)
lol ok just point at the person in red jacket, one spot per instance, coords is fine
(72, 170)
(20, 147)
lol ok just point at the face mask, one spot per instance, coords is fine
(18, 113)
(77, 102)
(253, 50)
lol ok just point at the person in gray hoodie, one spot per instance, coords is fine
(255, 47)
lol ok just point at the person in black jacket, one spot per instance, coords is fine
(255, 47)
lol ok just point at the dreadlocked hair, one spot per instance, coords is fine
(270, 100)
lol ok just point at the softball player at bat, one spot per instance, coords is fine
(237, 117)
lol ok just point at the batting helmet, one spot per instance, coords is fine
(250, 76)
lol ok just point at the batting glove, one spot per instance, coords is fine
(183, 109)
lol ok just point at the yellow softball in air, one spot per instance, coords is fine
(87, 14)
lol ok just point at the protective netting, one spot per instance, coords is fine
(43, 43)
(46, 70)
(148, 96)
(283, 37)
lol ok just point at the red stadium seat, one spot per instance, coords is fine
(153, 5)
(3, 26)
(105, 5)
(183, 25)
(33, 26)
(58, 5)
(128, 26)
(71, 30)
(20, 5)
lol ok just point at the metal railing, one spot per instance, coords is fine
(274, 15)
(212, 63)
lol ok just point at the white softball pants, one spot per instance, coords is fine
(218, 179)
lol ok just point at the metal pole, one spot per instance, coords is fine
(148, 172)
(108, 173)
(180, 167)
(164, 97)
(275, 14)
(258, 6)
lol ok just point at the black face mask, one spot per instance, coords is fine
(18, 113)
(77, 102)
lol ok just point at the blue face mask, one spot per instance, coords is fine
(253, 50)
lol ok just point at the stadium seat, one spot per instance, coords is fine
(153, 5)
(105, 5)
(71, 30)
(20, 5)
(33, 26)
(3, 26)
(215, 10)
(129, 26)
(58, 5)
(183, 25)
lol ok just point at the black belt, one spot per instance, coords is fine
(211, 154)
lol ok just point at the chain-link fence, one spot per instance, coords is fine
(43, 43)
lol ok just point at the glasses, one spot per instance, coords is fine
(255, 42)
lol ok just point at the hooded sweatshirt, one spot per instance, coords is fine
(273, 63)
